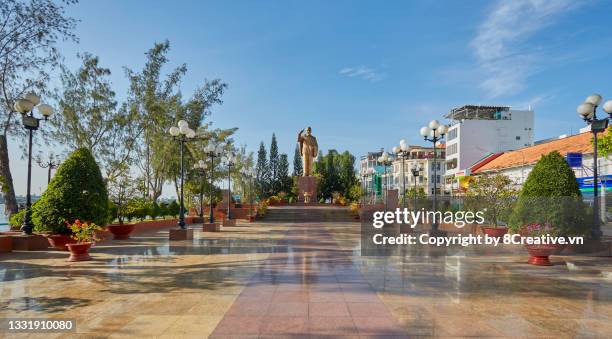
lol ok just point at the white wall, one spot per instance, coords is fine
(477, 138)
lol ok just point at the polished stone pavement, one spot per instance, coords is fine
(297, 280)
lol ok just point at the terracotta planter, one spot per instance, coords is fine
(121, 232)
(538, 254)
(6, 243)
(494, 232)
(59, 241)
(79, 252)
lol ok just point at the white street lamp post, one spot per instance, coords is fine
(385, 160)
(201, 166)
(212, 151)
(415, 174)
(25, 106)
(182, 133)
(230, 161)
(588, 112)
(434, 132)
(402, 153)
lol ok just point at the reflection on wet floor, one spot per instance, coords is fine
(299, 279)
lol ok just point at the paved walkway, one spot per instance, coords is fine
(311, 286)
(294, 279)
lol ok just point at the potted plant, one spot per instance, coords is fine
(84, 233)
(77, 191)
(121, 192)
(494, 195)
(550, 203)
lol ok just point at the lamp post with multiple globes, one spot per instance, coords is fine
(370, 174)
(212, 151)
(51, 164)
(402, 153)
(249, 174)
(385, 160)
(364, 185)
(25, 106)
(201, 166)
(230, 161)
(434, 133)
(416, 171)
(588, 112)
(182, 133)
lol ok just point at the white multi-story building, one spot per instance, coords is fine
(477, 131)
(421, 158)
(375, 179)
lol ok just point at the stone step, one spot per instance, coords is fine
(302, 214)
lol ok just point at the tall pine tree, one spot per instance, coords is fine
(297, 162)
(283, 174)
(273, 167)
(262, 172)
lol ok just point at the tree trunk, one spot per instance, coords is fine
(10, 203)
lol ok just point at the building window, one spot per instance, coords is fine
(518, 137)
(451, 149)
(452, 134)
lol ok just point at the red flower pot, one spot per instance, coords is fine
(79, 252)
(495, 232)
(59, 241)
(538, 254)
(121, 232)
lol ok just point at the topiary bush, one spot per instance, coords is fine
(163, 210)
(155, 211)
(174, 209)
(77, 191)
(551, 195)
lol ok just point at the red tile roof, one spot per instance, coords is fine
(580, 143)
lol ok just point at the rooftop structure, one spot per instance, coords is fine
(478, 112)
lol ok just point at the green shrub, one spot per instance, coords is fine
(163, 210)
(155, 211)
(174, 209)
(494, 194)
(16, 219)
(551, 195)
(77, 191)
(113, 210)
(137, 209)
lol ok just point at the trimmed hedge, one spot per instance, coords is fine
(77, 191)
(551, 195)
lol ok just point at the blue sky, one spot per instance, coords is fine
(363, 74)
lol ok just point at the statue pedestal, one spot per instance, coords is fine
(307, 189)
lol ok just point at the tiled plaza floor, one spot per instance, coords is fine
(295, 280)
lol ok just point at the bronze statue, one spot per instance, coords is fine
(308, 150)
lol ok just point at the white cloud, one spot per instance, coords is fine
(501, 47)
(363, 72)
